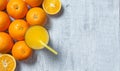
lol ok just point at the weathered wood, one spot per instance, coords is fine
(87, 36)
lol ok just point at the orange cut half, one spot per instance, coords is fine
(51, 6)
(7, 62)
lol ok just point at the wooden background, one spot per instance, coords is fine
(86, 33)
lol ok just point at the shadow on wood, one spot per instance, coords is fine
(48, 24)
(18, 67)
(31, 60)
(59, 14)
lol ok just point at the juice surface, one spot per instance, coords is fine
(34, 35)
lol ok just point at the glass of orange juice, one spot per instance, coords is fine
(37, 37)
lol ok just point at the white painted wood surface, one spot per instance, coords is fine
(86, 33)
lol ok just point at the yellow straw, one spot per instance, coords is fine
(49, 48)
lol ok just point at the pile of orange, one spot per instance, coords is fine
(16, 16)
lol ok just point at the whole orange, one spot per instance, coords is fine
(3, 4)
(18, 28)
(34, 3)
(6, 42)
(17, 8)
(21, 51)
(36, 16)
(4, 21)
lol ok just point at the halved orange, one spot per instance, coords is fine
(51, 6)
(7, 62)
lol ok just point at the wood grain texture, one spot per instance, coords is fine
(86, 33)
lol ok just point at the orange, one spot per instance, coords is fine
(34, 3)
(21, 51)
(3, 4)
(51, 6)
(17, 8)
(4, 21)
(18, 28)
(6, 43)
(36, 16)
(7, 62)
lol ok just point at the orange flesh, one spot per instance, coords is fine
(7, 63)
(52, 6)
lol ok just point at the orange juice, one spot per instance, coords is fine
(37, 37)
(34, 35)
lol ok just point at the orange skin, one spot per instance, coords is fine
(6, 42)
(17, 8)
(3, 4)
(34, 3)
(21, 51)
(4, 21)
(36, 16)
(17, 29)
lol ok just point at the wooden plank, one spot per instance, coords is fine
(86, 35)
